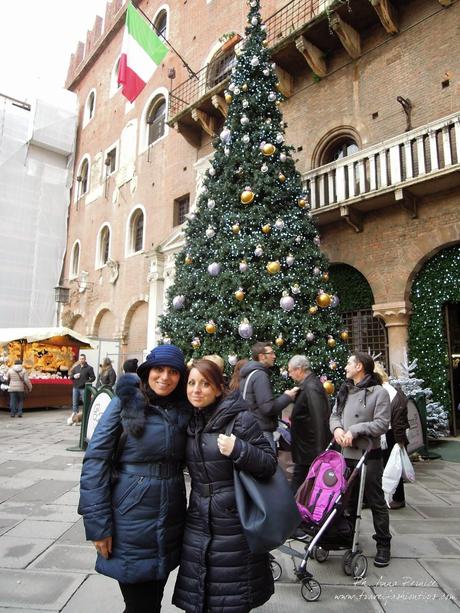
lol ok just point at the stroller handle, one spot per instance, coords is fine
(367, 450)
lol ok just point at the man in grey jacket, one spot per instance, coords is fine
(362, 412)
(257, 390)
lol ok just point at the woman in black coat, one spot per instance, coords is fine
(134, 512)
(218, 573)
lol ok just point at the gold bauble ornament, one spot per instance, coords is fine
(323, 300)
(268, 149)
(331, 342)
(344, 335)
(282, 178)
(266, 228)
(188, 259)
(210, 327)
(228, 98)
(273, 267)
(244, 87)
(264, 42)
(325, 276)
(313, 310)
(236, 228)
(302, 203)
(247, 196)
(333, 365)
(278, 102)
(279, 341)
(329, 387)
(196, 343)
(239, 294)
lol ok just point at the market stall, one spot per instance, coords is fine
(47, 354)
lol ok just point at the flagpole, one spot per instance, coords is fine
(191, 72)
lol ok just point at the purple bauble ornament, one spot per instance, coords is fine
(178, 302)
(310, 337)
(245, 329)
(335, 301)
(287, 303)
(214, 269)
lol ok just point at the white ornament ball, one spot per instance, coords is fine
(264, 168)
(283, 157)
(298, 239)
(178, 302)
(244, 120)
(266, 71)
(272, 96)
(254, 21)
(316, 271)
(310, 337)
(273, 65)
(246, 139)
(237, 91)
(192, 215)
(258, 251)
(166, 340)
(243, 267)
(255, 61)
(214, 269)
(227, 151)
(279, 223)
(290, 260)
(268, 120)
(212, 171)
(253, 3)
(245, 104)
(204, 189)
(231, 87)
(225, 135)
(317, 241)
(279, 137)
(245, 329)
(295, 289)
(210, 232)
(287, 303)
(232, 359)
(335, 301)
(211, 203)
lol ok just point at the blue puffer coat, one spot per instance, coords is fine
(144, 513)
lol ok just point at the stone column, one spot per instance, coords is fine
(155, 280)
(396, 318)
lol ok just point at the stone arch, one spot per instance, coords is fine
(135, 327)
(77, 323)
(332, 136)
(96, 323)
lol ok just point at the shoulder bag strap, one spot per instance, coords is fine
(245, 389)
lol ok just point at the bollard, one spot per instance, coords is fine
(95, 401)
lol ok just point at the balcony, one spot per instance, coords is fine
(397, 171)
(301, 35)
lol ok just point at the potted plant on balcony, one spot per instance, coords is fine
(229, 40)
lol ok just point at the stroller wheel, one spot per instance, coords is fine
(311, 590)
(320, 554)
(346, 562)
(276, 569)
(359, 566)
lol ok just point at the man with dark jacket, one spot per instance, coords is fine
(362, 412)
(310, 432)
(256, 388)
(80, 374)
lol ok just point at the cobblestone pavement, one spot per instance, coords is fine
(46, 565)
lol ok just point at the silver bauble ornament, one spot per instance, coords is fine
(335, 301)
(266, 71)
(212, 171)
(214, 269)
(310, 337)
(178, 302)
(245, 104)
(244, 120)
(287, 302)
(258, 251)
(243, 266)
(246, 139)
(317, 241)
(254, 21)
(255, 61)
(283, 157)
(272, 96)
(237, 91)
(279, 223)
(231, 87)
(225, 135)
(295, 289)
(298, 239)
(290, 260)
(316, 271)
(245, 329)
(211, 203)
(264, 168)
(210, 232)
(279, 137)
(227, 151)
(232, 359)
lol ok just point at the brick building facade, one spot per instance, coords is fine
(372, 106)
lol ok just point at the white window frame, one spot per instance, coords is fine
(86, 116)
(74, 270)
(114, 87)
(78, 193)
(143, 125)
(129, 240)
(163, 7)
(98, 261)
(115, 146)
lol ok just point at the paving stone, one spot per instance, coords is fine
(18, 552)
(421, 600)
(69, 558)
(8, 522)
(6, 493)
(427, 526)
(40, 529)
(447, 573)
(406, 546)
(56, 512)
(69, 499)
(13, 467)
(39, 590)
(432, 512)
(99, 594)
(46, 490)
(60, 463)
(18, 509)
(75, 535)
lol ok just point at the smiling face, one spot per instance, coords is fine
(163, 380)
(200, 392)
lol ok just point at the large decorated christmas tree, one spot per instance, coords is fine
(252, 268)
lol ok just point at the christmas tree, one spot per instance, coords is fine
(252, 268)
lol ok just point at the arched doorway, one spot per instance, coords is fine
(136, 327)
(434, 329)
(365, 332)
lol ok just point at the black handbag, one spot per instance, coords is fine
(266, 508)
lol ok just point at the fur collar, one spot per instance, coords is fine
(133, 404)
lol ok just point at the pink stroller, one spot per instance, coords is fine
(321, 500)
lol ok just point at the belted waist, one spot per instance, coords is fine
(159, 470)
(208, 489)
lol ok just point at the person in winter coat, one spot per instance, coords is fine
(399, 423)
(107, 374)
(18, 383)
(218, 572)
(132, 491)
(310, 434)
(80, 373)
(362, 412)
(256, 388)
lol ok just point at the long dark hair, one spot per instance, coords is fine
(235, 380)
(211, 372)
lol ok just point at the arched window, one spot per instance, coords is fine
(90, 107)
(83, 178)
(103, 247)
(220, 67)
(136, 231)
(114, 87)
(155, 119)
(339, 149)
(74, 260)
(161, 22)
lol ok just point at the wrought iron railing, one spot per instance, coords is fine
(287, 20)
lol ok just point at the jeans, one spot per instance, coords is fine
(373, 493)
(77, 396)
(143, 597)
(16, 403)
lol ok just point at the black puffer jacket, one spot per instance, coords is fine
(218, 574)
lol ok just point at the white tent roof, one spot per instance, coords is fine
(31, 335)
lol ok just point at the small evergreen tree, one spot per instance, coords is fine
(252, 268)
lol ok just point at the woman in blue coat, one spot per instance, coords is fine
(132, 491)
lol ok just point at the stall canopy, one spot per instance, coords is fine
(49, 336)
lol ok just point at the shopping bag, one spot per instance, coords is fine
(407, 470)
(392, 473)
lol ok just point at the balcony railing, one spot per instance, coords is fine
(420, 153)
(292, 17)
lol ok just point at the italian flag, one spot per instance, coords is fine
(141, 52)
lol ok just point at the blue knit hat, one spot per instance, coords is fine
(163, 355)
